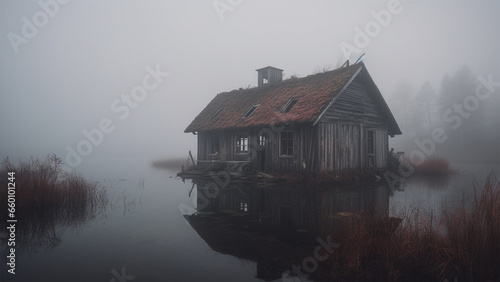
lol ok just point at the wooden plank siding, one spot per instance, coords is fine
(303, 149)
(381, 148)
(343, 130)
(330, 146)
(339, 145)
(356, 106)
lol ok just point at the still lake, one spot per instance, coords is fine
(144, 234)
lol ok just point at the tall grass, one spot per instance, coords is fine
(473, 236)
(464, 244)
(44, 200)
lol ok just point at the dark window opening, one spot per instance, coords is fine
(286, 216)
(251, 111)
(242, 144)
(371, 148)
(217, 114)
(263, 140)
(289, 105)
(214, 144)
(286, 144)
(370, 142)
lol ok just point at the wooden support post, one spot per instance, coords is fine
(191, 156)
(191, 190)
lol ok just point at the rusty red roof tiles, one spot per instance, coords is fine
(314, 94)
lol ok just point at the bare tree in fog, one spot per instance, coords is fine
(400, 103)
(422, 111)
(425, 108)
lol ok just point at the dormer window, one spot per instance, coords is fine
(289, 105)
(251, 111)
(217, 114)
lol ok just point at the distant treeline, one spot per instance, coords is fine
(461, 118)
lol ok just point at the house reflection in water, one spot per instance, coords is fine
(277, 226)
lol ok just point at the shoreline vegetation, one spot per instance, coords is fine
(431, 166)
(463, 244)
(44, 200)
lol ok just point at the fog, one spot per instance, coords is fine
(65, 66)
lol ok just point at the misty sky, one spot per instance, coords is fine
(70, 75)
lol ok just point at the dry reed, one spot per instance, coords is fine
(463, 244)
(432, 166)
(45, 200)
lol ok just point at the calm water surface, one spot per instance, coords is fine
(146, 235)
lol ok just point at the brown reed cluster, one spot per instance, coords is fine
(45, 198)
(463, 244)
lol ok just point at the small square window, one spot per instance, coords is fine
(243, 206)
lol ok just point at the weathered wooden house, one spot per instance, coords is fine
(333, 120)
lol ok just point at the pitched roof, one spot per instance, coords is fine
(314, 93)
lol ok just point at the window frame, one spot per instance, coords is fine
(289, 138)
(370, 147)
(370, 140)
(242, 148)
(263, 140)
(289, 104)
(243, 207)
(217, 114)
(250, 111)
(213, 140)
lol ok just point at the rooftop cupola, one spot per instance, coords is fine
(269, 75)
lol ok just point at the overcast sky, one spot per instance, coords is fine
(65, 72)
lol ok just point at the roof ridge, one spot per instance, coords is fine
(269, 86)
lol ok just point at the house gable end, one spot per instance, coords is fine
(356, 105)
(329, 106)
(360, 101)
